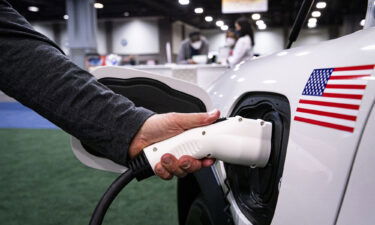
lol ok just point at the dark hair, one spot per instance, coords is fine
(194, 33)
(246, 28)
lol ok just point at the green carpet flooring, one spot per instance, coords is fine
(41, 182)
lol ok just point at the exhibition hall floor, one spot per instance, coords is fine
(42, 182)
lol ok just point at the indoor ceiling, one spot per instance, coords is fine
(280, 13)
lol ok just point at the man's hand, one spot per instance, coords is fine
(163, 126)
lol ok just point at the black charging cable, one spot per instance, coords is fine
(139, 168)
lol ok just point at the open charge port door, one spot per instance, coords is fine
(156, 92)
(256, 189)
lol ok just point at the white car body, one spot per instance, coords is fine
(319, 160)
(327, 177)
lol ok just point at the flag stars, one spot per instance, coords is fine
(317, 82)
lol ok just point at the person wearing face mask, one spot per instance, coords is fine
(227, 50)
(196, 44)
(243, 48)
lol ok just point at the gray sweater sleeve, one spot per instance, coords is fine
(183, 52)
(34, 71)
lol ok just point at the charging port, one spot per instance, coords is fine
(256, 189)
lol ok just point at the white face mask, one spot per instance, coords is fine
(196, 45)
(230, 41)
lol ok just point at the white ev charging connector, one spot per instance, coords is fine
(234, 140)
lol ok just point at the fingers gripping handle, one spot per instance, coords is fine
(236, 140)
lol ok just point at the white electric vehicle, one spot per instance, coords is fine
(320, 101)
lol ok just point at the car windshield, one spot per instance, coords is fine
(370, 17)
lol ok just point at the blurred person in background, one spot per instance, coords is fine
(196, 44)
(244, 46)
(227, 50)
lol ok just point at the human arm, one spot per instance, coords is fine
(34, 71)
(182, 53)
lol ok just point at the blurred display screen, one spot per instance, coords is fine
(241, 6)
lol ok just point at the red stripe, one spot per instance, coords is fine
(334, 95)
(330, 104)
(348, 77)
(346, 86)
(329, 114)
(324, 124)
(366, 67)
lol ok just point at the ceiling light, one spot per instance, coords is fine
(362, 23)
(259, 22)
(219, 23)
(255, 16)
(262, 26)
(208, 18)
(198, 10)
(321, 5)
(98, 5)
(66, 17)
(184, 2)
(126, 13)
(316, 14)
(33, 9)
(313, 20)
(224, 27)
(311, 25)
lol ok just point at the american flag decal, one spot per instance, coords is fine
(332, 97)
